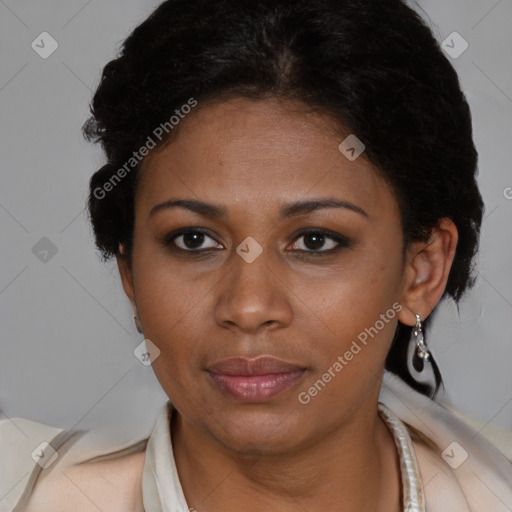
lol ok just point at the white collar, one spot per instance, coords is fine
(161, 487)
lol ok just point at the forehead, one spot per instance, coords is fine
(265, 152)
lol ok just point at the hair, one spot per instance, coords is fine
(372, 65)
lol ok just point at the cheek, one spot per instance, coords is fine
(166, 294)
(174, 311)
(350, 358)
(358, 306)
(354, 317)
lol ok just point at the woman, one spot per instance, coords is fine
(289, 193)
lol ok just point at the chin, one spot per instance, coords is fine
(258, 432)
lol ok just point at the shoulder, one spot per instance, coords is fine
(114, 485)
(43, 468)
(26, 449)
(460, 469)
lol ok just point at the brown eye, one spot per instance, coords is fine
(192, 240)
(320, 241)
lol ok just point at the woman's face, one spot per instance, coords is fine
(253, 284)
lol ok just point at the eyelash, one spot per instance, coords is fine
(339, 239)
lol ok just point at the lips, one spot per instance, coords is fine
(254, 380)
(263, 365)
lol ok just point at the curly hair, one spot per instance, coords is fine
(372, 65)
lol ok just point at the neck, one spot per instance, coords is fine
(354, 468)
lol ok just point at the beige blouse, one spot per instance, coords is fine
(446, 465)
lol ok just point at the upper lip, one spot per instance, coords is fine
(263, 365)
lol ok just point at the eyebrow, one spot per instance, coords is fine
(290, 210)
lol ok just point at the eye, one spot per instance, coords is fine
(320, 238)
(191, 240)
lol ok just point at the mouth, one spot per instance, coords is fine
(254, 380)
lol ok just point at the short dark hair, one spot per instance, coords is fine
(372, 65)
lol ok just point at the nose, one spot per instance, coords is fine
(253, 296)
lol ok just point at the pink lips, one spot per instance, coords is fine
(254, 380)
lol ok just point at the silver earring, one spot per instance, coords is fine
(421, 352)
(137, 323)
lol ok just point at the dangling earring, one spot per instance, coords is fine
(137, 323)
(421, 352)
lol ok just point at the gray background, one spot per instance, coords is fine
(66, 350)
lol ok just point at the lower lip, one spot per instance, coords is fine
(256, 388)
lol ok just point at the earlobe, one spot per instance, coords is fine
(427, 269)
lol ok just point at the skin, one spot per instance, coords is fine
(253, 157)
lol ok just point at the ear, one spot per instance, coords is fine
(428, 265)
(126, 277)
